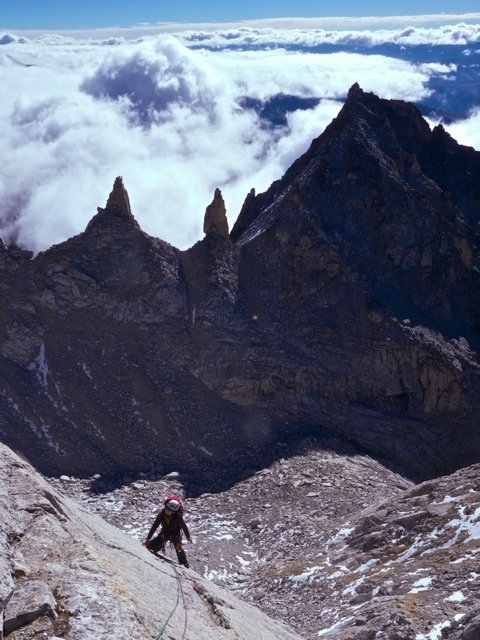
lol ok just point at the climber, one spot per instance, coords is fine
(171, 521)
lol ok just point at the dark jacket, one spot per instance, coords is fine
(169, 526)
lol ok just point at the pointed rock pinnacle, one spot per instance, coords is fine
(118, 199)
(215, 222)
(355, 92)
(117, 208)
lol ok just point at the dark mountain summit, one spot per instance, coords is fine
(397, 200)
(344, 301)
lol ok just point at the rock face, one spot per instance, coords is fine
(68, 574)
(343, 303)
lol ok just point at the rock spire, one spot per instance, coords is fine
(118, 199)
(116, 209)
(215, 222)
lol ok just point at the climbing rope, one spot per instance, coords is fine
(179, 591)
(184, 602)
(160, 633)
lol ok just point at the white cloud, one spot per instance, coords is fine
(404, 31)
(324, 25)
(74, 115)
(467, 132)
(153, 77)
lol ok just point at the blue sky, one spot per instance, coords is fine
(87, 14)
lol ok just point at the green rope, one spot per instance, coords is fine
(159, 635)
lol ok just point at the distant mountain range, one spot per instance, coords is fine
(344, 301)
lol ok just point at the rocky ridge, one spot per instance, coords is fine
(341, 305)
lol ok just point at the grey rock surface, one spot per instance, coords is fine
(74, 576)
(30, 600)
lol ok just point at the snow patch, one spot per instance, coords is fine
(209, 453)
(335, 626)
(435, 633)
(40, 366)
(421, 585)
(415, 547)
(455, 597)
(466, 522)
(306, 575)
(366, 566)
(351, 590)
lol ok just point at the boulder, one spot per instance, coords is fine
(31, 599)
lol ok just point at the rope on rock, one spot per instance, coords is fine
(179, 591)
(179, 581)
(160, 633)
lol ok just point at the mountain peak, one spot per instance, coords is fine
(399, 113)
(117, 208)
(355, 92)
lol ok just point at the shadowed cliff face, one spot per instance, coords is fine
(344, 300)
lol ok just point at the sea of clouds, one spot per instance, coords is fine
(164, 112)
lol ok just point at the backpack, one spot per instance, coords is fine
(180, 511)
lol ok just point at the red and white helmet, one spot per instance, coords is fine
(173, 505)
